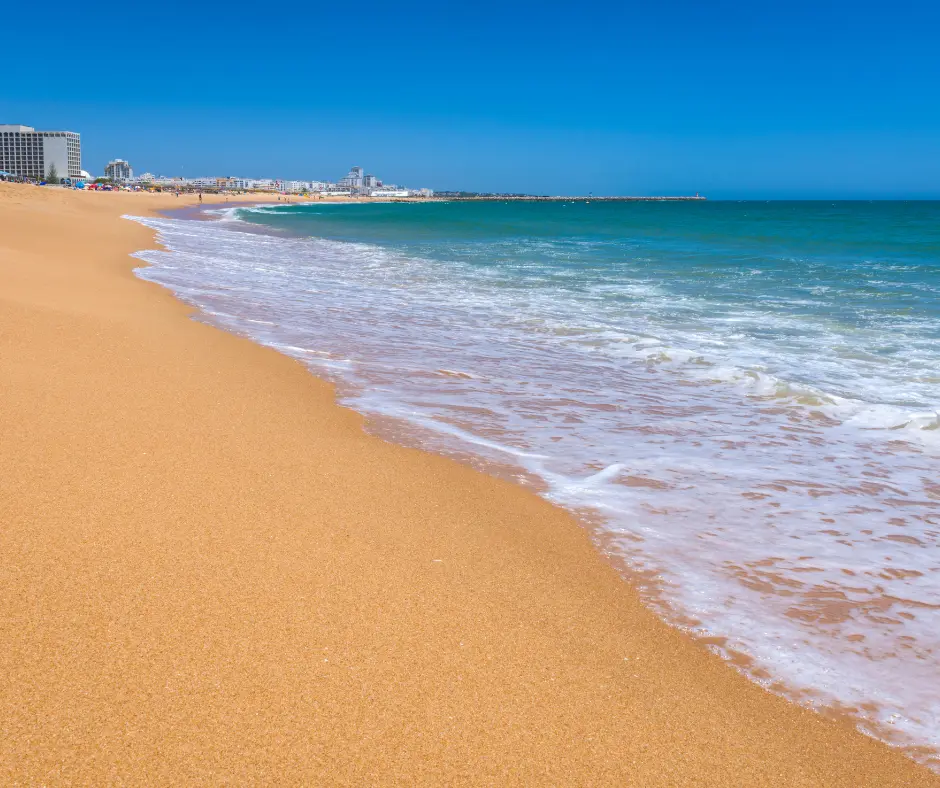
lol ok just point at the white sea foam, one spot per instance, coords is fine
(795, 515)
(229, 214)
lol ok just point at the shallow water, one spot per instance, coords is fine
(745, 396)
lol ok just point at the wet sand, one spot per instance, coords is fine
(210, 574)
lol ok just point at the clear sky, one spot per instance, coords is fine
(797, 98)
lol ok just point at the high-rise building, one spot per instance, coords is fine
(118, 170)
(353, 179)
(370, 181)
(28, 153)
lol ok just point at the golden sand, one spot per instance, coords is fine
(211, 575)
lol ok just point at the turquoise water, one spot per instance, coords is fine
(744, 396)
(865, 275)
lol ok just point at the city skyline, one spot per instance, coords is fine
(355, 182)
(38, 155)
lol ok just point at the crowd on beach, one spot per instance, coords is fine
(100, 184)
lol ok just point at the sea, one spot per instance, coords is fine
(740, 400)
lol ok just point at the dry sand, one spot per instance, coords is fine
(210, 575)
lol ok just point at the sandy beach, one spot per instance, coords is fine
(210, 574)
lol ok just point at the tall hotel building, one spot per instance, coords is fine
(353, 179)
(118, 171)
(28, 153)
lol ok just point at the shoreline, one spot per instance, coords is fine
(217, 575)
(573, 198)
(404, 430)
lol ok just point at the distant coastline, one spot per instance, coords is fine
(559, 198)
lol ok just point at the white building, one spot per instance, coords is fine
(298, 186)
(353, 179)
(118, 170)
(163, 180)
(33, 154)
(265, 184)
(203, 183)
(390, 193)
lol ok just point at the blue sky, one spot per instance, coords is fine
(730, 99)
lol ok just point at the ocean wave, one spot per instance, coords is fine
(795, 519)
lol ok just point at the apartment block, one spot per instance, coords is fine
(28, 153)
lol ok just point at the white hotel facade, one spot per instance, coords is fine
(28, 153)
(118, 170)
